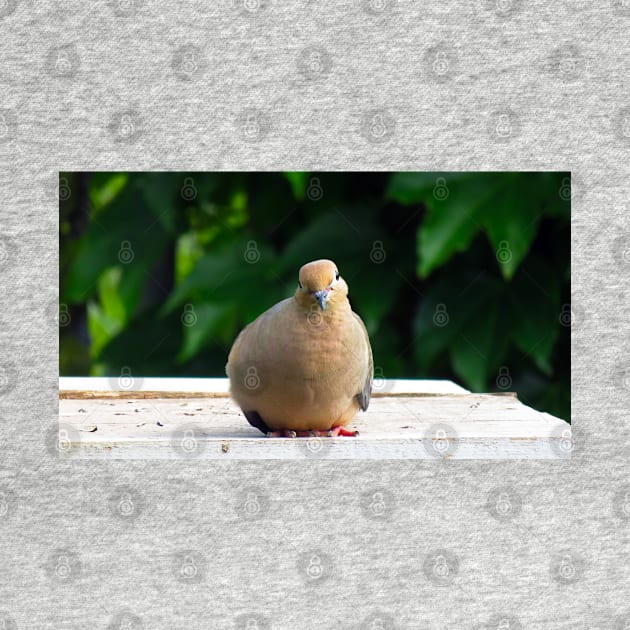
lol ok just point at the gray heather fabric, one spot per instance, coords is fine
(259, 84)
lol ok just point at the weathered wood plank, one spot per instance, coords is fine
(156, 387)
(421, 424)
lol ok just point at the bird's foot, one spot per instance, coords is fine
(283, 433)
(341, 431)
(334, 432)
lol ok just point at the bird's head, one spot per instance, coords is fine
(319, 283)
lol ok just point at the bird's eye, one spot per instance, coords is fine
(336, 275)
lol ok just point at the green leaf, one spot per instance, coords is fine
(109, 297)
(453, 220)
(299, 183)
(480, 346)
(388, 361)
(449, 304)
(101, 327)
(160, 190)
(409, 188)
(511, 216)
(227, 271)
(203, 322)
(535, 307)
(373, 290)
(344, 235)
(105, 187)
(124, 234)
(559, 189)
(147, 346)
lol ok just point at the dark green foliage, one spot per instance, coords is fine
(456, 275)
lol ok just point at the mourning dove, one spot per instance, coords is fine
(304, 367)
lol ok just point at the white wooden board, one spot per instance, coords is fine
(406, 420)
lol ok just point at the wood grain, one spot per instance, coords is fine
(399, 424)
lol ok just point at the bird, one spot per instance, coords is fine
(304, 367)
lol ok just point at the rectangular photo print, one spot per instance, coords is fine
(315, 315)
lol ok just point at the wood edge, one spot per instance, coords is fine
(141, 395)
(83, 395)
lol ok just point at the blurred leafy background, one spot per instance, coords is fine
(464, 276)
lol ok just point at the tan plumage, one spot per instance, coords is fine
(306, 363)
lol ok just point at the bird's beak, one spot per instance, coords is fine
(321, 297)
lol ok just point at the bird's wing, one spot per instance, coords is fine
(363, 396)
